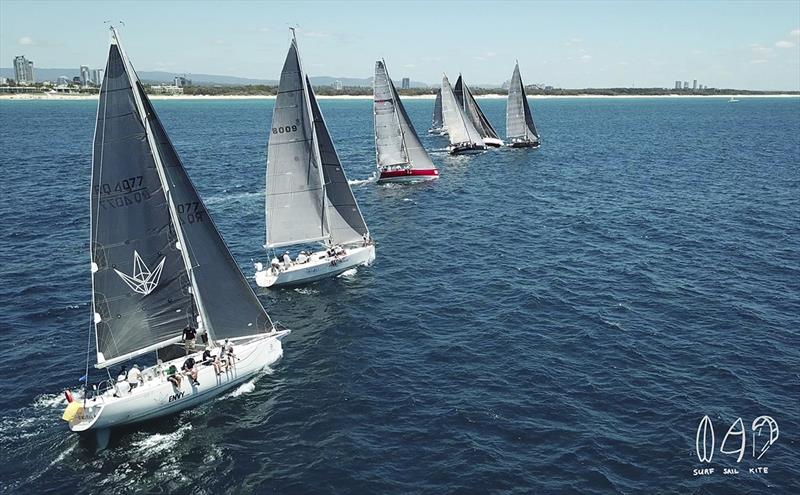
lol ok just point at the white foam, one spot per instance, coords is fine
(349, 273)
(244, 388)
(306, 290)
(50, 401)
(358, 182)
(225, 198)
(160, 442)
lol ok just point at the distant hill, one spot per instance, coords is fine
(203, 79)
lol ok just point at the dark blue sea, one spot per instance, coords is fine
(537, 321)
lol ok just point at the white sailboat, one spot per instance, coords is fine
(308, 198)
(520, 129)
(437, 124)
(475, 114)
(398, 151)
(464, 138)
(158, 265)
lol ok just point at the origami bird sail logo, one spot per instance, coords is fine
(143, 281)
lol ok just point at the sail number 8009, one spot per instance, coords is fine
(284, 129)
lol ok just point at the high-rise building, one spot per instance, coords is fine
(685, 84)
(85, 77)
(23, 70)
(677, 85)
(182, 81)
(337, 85)
(97, 76)
(694, 85)
(406, 83)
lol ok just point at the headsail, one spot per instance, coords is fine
(459, 127)
(437, 123)
(344, 218)
(230, 307)
(141, 290)
(295, 192)
(473, 111)
(391, 120)
(519, 120)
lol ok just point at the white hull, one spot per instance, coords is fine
(318, 267)
(157, 397)
(494, 142)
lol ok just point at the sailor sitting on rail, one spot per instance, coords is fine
(276, 266)
(287, 261)
(302, 257)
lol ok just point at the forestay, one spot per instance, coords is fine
(141, 290)
(519, 120)
(459, 127)
(295, 192)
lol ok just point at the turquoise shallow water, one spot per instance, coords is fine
(556, 320)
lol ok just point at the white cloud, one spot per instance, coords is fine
(316, 34)
(26, 40)
(574, 41)
(784, 44)
(795, 33)
(409, 66)
(264, 29)
(758, 61)
(586, 57)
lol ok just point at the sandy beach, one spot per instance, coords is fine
(45, 96)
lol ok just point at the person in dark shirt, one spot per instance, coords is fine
(189, 369)
(189, 336)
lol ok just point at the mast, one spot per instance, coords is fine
(315, 140)
(183, 247)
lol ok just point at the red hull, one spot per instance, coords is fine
(408, 175)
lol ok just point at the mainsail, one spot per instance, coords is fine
(519, 120)
(308, 197)
(459, 127)
(396, 140)
(157, 260)
(437, 111)
(295, 192)
(473, 111)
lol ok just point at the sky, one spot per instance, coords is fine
(569, 44)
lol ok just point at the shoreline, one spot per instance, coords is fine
(62, 97)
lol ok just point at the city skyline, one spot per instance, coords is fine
(570, 45)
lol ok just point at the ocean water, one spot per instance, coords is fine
(537, 321)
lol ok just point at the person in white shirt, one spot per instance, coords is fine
(287, 261)
(134, 377)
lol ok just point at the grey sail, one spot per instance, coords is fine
(391, 119)
(141, 290)
(344, 218)
(389, 145)
(416, 152)
(459, 127)
(519, 120)
(230, 307)
(473, 111)
(437, 111)
(295, 193)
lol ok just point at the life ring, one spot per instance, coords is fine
(68, 395)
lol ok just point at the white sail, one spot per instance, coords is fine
(459, 127)
(394, 133)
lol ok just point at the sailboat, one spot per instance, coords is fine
(159, 265)
(520, 129)
(464, 138)
(475, 114)
(308, 198)
(437, 126)
(398, 151)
